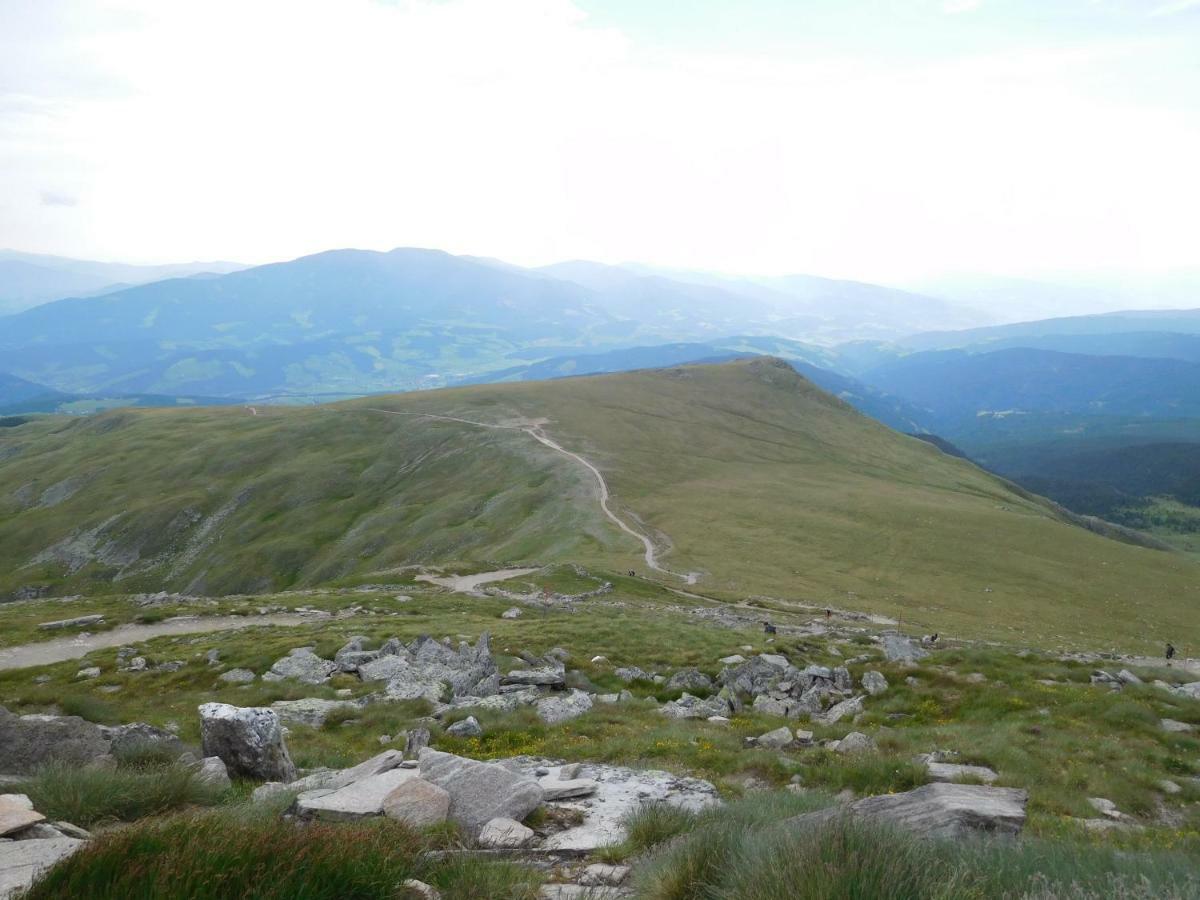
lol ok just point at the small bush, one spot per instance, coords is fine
(87, 796)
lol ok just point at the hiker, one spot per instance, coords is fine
(829, 614)
(1170, 651)
(632, 574)
(768, 628)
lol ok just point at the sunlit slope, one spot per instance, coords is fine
(774, 488)
(743, 471)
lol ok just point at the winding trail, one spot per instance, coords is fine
(535, 432)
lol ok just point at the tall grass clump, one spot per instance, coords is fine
(741, 854)
(86, 796)
(239, 854)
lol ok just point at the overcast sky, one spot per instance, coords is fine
(877, 139)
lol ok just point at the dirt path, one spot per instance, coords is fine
(61, 649)
(467, 584)
(535, 432)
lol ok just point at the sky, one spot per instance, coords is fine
(885, 140)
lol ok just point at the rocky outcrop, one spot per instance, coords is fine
(898, 648)
(363, 798)
(689, 680)
(248, 740)
(311, 710)
(504, 834)
(29, 742)
(426, 668)
(29, 844)
(937, 810)
(480, 792)
(874, 683)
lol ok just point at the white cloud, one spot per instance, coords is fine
(1178, 6)
(517, 128)
(954, 7)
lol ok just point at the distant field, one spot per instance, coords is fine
(744, 472)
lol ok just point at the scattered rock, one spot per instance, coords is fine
(418, 803)
(480, 792)
(16, 813)
(513, 613)
(631, 673)
(237, 676)
(310, 710)
(1106, 808)
(468, 727)
(874, 683)
(248, 740)
(214, 772)
(504, 834)
(938, 810)
(302, 665)
(559, 789)
(599, 874)
(689, 707)
(689, 680)
(855, 742)
(736, 659)
(1169, 787)
(775, 740)
(951, 772)
(1175, 727)
(554, 710)
(839, 711)
(1127, 677)
(543, 676)
(89, 672)
(898, 648)
(420, 888)
(416, 740)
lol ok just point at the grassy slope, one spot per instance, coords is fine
(760, 480)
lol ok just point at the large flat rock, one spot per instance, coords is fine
(17, 812)
(22, 861)
(937, 810)
(358, 800)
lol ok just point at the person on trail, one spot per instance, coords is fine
(829, 614)
(1170, 651)
(768, 628)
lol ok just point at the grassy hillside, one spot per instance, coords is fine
(745, 471)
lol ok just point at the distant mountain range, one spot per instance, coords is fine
(30, 279)
(352, 322)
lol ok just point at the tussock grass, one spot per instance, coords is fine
(242, 853)
(744, 853)
(87, 796)
(89, 707)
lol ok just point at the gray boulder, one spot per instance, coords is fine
(563, 707)
(32, 741)
(212, 771)
(468, 727)
(418, 803)
(77, 622)
(937, 810)
(839, 711)
(689, 707)
(311, 711)
(855, 742)
(630, 674)
(553, 676)
(302, 665)
(17, 813)
(949, 772)
(504, 834)
(480, 792)
(237, 676)
(898, 648)
(874, 683)
(689, 680)
(757, 675)
(248, 740)
(775, 740)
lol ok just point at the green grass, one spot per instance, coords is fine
(237, 854)
(92, 796)
(752, 476)
(746, 852)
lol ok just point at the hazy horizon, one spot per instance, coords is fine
(892, 143)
